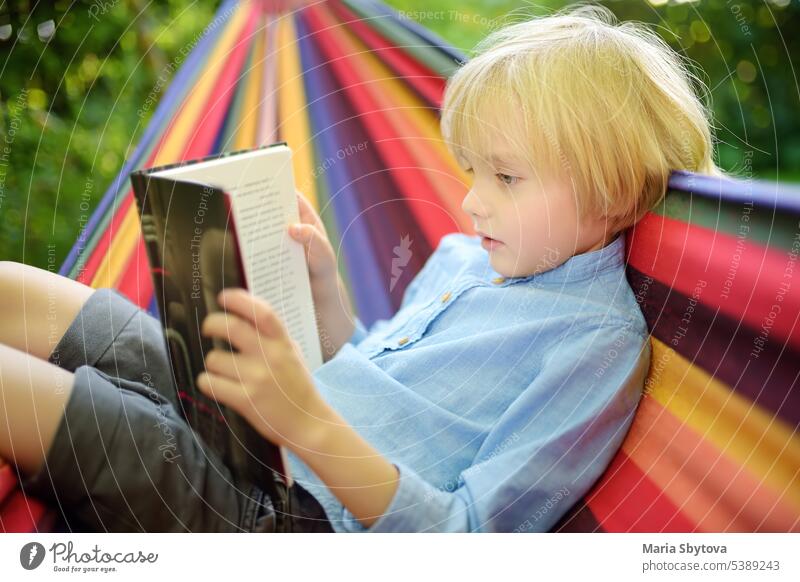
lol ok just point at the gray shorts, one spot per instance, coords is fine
(124, 459)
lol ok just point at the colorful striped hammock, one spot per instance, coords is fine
(354, 89)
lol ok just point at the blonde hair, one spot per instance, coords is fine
(611, 106)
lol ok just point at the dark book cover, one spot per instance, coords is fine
(191, 243)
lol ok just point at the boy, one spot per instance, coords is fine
(491, 401)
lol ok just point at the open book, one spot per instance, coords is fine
(216, 223)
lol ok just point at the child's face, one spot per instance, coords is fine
(533, 221)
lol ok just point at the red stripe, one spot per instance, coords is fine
(425, 81)
(136, 281)
(202, 141)
(742, 278)
(389, 144)
(21, 515)
(87, 274)
(8, 480)
(626, 500)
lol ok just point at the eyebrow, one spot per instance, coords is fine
(504, 160)
(499, 159)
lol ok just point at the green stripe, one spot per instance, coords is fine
(754, 223)
(409, 42)
(328, 218)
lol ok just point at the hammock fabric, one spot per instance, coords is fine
(354, 89)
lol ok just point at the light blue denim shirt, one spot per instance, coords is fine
(499, 400)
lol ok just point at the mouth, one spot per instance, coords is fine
(488, 242)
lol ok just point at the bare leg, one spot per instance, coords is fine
(33, 394)
(37, 307)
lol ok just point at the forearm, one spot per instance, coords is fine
(356, 473)
(335, 320)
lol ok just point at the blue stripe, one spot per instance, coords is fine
(326, 112)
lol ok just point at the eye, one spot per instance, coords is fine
(468, 170)
(506, 179)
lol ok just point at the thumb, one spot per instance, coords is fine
(316, 247)
(303, 233)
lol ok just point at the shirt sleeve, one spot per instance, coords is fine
(545, 452)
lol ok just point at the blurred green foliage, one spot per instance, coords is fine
(69, 106)
(69, 109)
(745, 52)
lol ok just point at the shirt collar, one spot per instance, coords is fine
(578, 267)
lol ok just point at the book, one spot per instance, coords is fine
(215, 223)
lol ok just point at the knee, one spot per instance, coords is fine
(19, 277)
(37, 307)
(7, 268)
(11, 274)
(13, 290)
(16, 278)
(12, 307)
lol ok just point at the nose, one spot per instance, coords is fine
(473, 205)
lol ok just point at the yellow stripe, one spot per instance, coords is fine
(119, 251)
(743, 430)
(399, 99)
(246, 130)
(401, 108)
(385, 86)
(293, 122)
(123, 244)
(186, 123)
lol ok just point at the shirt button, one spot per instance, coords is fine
(402, 341)
(498, 280)
(446, 296)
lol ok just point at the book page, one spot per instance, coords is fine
(261, 185)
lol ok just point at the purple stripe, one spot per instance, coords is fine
(722, 346)
(759, 192)
(330, 121)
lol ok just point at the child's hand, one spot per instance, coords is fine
(269, 386)
(334, 312)
(321, 258)
(266, 381)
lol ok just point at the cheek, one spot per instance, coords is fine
(549, 227)
(538, 219)
(560, 211)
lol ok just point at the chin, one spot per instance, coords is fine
(506, 271)
(501, 270)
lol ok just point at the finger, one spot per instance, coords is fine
(257, 311)
(307, 212)
(306, 234)
(237, 331)
(237, 367)
(227, 392)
